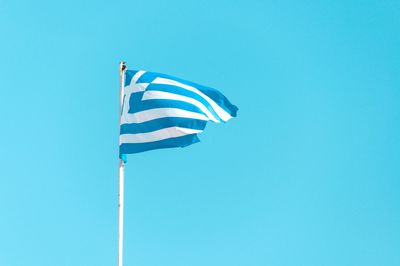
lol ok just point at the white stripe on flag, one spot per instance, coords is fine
(136, 77)
(165, 133)
(147, 115)
(135, 87)
(220, 112)
(157, 95)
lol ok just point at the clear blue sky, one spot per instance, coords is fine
(308, 174)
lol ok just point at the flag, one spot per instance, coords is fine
(161, 111)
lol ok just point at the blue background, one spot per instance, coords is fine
(308, 174)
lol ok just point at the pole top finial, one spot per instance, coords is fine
(122, 66)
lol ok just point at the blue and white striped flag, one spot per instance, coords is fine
(161, 111)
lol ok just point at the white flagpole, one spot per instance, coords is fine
(122, 69)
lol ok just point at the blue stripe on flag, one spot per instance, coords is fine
(160, 123)
(161, 144)
(135, 107)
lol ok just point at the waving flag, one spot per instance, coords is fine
(161, 111)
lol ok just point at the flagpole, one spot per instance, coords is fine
(122, 68)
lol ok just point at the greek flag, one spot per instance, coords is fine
(161, 111)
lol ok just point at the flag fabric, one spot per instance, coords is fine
(161, 111)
